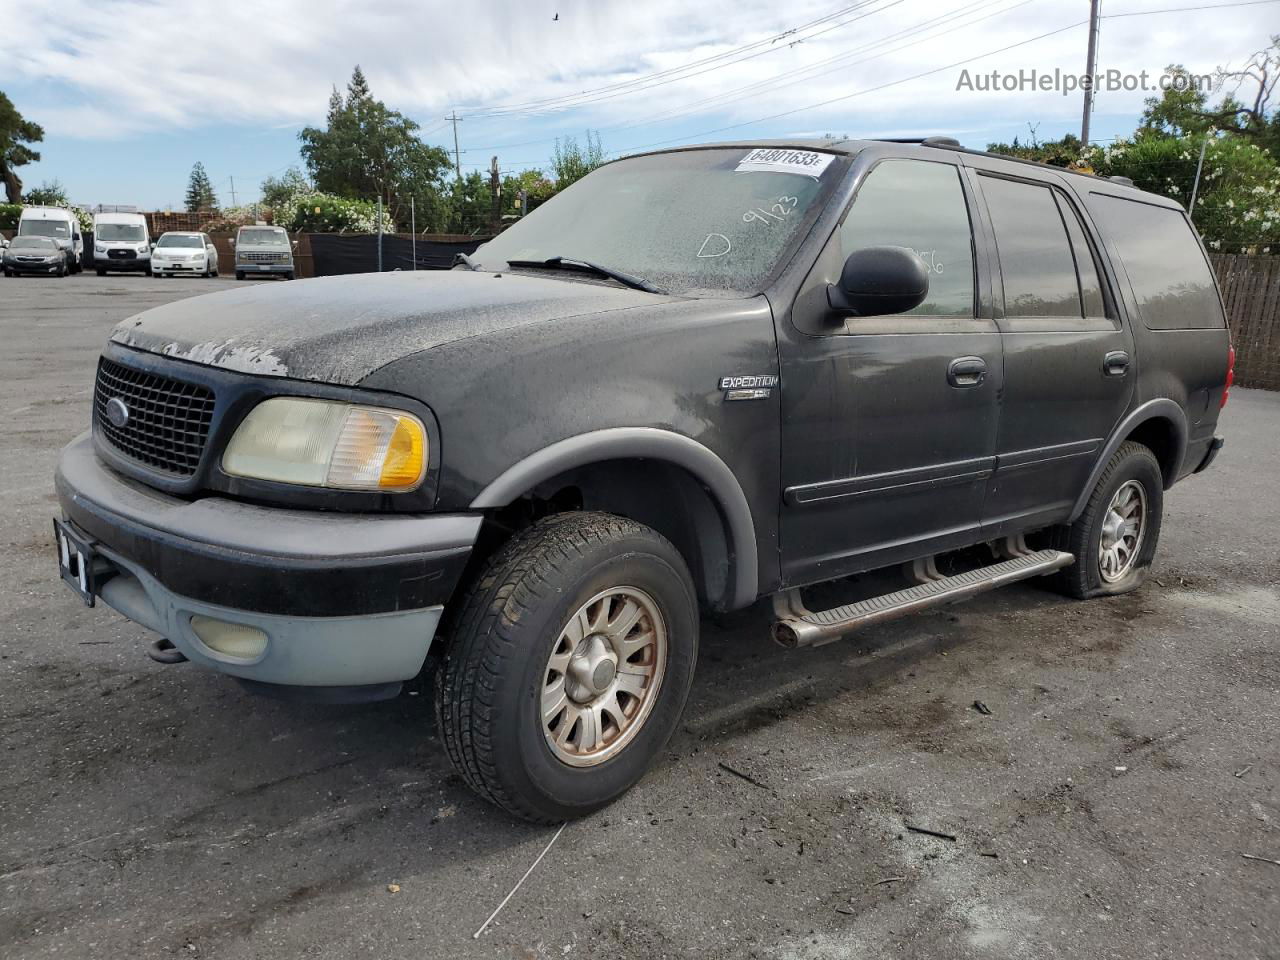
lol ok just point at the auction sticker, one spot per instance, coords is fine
(808, 163)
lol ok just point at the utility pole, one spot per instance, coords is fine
(495, 194)
(233, 190)
(1089, 69)
(457, 154)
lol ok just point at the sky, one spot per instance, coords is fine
(131, 93)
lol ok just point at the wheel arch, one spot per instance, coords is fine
(1161, 426)
(685, 491)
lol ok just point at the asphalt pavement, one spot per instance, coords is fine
(1107, 806)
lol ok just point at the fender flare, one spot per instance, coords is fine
(1162, 408)
(621, 443)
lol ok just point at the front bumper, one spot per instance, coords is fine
(345, 600)
(29, 267)
(264, 268)
(179, 266)
(103, 262)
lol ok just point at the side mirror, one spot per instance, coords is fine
(295, 244)
(879, 280)
(233, 241)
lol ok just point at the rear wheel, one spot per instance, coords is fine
(568, 666)
(1115, 538)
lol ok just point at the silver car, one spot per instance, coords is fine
(263, 250)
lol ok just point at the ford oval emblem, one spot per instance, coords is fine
(117, 412)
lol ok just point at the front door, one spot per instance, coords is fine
(889, 422)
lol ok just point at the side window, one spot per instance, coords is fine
(921, 205)
(1036, 262)
(1086, 266)
(1167, 270)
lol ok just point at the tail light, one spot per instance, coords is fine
(1231, 375)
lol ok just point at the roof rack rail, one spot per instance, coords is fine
(944, 142)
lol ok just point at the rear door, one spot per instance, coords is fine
(1068, 359)
(889, 422)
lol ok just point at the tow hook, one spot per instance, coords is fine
(163, 651)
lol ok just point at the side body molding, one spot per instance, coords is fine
(1162, 408)
(617, 443)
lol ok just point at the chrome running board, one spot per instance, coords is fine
(798, 626)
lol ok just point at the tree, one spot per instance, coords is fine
(16, 133)
(571, 163)
(1238, 200)
(51, 193)
(1057, 153)
(1179, 111)
(368, 150)
(276, 191)
(200, 195)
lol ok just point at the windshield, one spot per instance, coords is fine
(32, 243)
(44, 228)
(127, 232)
(698, 223)
(180, 240)
(263, 238)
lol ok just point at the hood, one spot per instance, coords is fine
(340, 329)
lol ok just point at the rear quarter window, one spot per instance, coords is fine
(1168, 273)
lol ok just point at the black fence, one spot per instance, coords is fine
(338, 253)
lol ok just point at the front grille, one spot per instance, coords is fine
(168, 421)
(121, 254)
(262, 256)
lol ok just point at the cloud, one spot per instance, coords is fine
(112, 70)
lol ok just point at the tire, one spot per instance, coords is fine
(101, 272)
(1132, 464)
(8, 273)
(239, 274)
(515, 615)
(289, 275)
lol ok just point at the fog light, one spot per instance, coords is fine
(229, 639)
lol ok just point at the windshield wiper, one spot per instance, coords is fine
(586, 266)
(465, 260)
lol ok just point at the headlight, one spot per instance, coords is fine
(99, 248)
(320, 443)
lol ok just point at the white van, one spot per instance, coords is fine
(121, 241)
(59, 225)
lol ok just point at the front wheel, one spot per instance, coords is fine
(1114, 539)
(239, 274)
(568, 666)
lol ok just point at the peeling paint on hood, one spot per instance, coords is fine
(340, 329)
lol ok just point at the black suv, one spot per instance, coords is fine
(694, 379)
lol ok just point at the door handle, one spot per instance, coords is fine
(1115, 364)
(967, 372)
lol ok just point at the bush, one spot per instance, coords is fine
(312, 212)
(233, 218)
(9, 213)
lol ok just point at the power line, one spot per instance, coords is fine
(547, 103)
(875, 89)
(807, 73)
(1207, 6)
